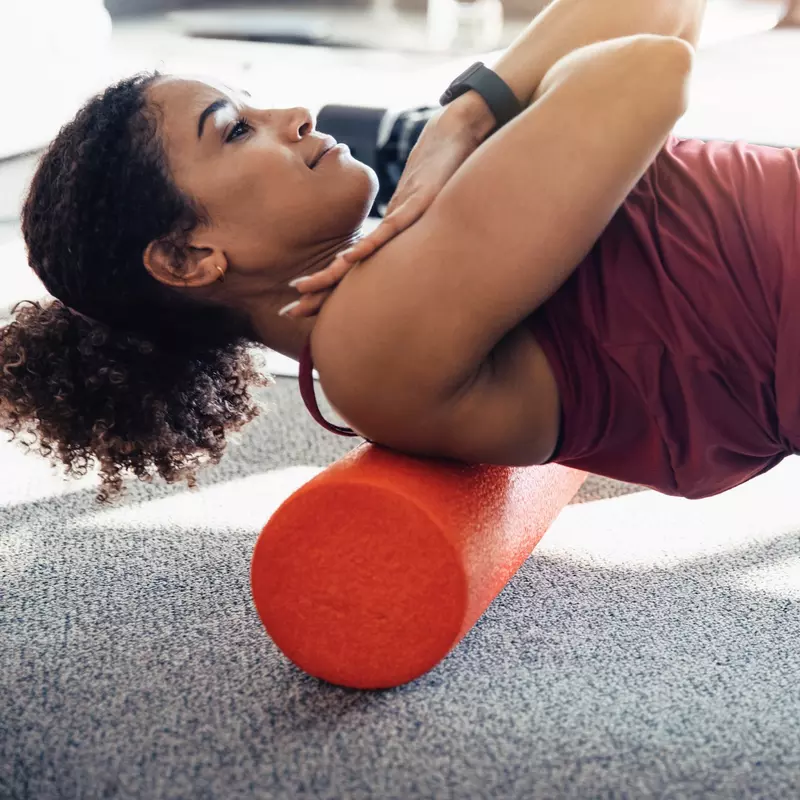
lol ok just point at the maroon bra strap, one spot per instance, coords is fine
(309, 395)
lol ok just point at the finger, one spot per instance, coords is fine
(324, 279)
(311, 304)
(397, 199)
(387, 229)
(404, 216)
(306, 306)
(391, 225)
(329, 277)
(365, 247)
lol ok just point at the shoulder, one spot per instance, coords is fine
(507, 413)
(373, 341)
(365, 375)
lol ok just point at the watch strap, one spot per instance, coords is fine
(491, 87)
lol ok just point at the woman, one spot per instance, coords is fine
(573, 289)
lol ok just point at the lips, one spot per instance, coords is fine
(328, 144)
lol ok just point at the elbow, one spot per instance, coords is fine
(672, 64)
(663, 68)
(681, 64)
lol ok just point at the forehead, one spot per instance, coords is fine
(180, 97)
(179, 101)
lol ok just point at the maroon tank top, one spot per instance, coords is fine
(674, 344)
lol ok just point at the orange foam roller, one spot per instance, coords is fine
(369, 574)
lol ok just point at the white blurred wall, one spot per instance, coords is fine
(53, 55)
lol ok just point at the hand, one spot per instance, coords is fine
(442, 148)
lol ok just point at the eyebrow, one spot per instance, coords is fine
(213, 108)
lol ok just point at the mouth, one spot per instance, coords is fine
(328, 144)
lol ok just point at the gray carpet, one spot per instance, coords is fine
(134, 665)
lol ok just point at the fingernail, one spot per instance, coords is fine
(297, 281)
(288, 307)
(344, 252)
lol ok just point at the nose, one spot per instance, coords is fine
(299, 123)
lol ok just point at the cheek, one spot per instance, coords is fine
(271, 206)
(252, 195)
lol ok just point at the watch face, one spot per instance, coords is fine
(467, 72)
(457, 87)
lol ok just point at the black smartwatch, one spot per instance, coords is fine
(491, 87)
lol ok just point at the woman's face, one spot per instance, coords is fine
(270, 207)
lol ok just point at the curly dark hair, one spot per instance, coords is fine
(143, 378)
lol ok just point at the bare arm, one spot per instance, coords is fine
(401, 342)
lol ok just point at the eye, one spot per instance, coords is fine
(239, 129)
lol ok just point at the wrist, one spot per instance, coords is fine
(472, 116)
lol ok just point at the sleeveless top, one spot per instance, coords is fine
(675, 343)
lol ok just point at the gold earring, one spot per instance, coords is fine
(221, 273)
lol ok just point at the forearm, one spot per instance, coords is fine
(567, 25)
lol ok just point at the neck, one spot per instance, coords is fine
(284, 335)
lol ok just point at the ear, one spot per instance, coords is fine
(184, 267)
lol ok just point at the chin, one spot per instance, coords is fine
(345, 200)
(361, 189)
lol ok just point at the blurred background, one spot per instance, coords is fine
(56, 52)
